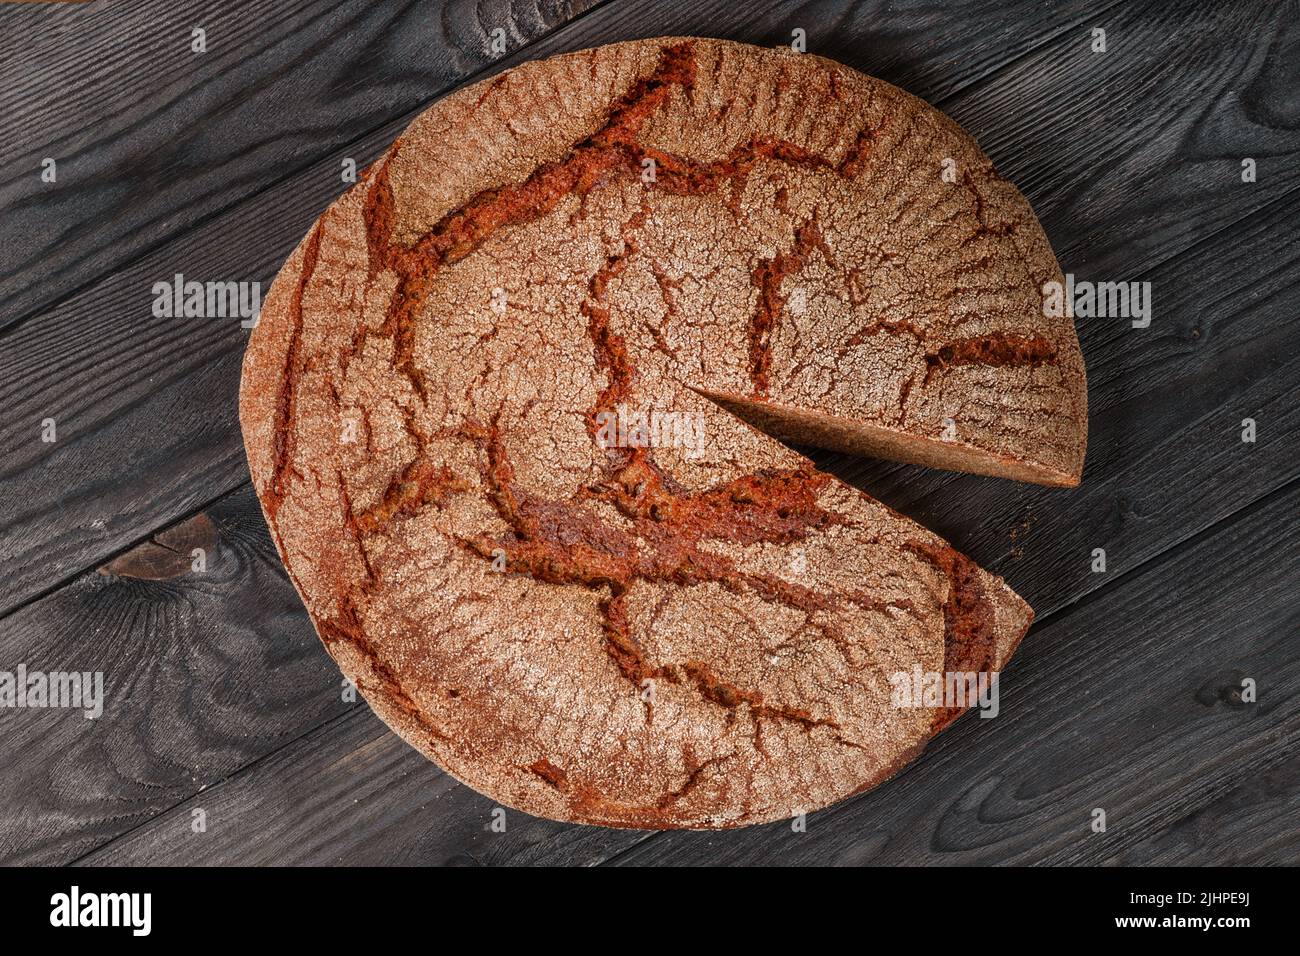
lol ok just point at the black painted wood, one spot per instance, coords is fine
(351, 793)
(203, 673)
(227, 703)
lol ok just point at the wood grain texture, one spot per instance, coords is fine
(203, 673)
(351, 793)
(1253, 821)
(152, 138)
(1132, 158)
(1134, 154)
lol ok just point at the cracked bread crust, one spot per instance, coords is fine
(649, 636)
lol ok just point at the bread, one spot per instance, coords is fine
(690, 627)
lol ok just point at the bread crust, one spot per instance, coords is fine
(663, 636)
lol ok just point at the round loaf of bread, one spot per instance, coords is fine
(509, 410)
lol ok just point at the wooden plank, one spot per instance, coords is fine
(1134, 154)
(104, 483)
(1253, 822)
(1153, 744)
(202, 674)
(151, 138)
(337, 797)
(90, 361)
(1123, 704)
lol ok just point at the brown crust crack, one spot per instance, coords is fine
(608, 347)
(568, 543)
(286, 429)
(609, 151)
(767, 278)
(420, 484)
(969, 619)
(346, 626)
(996, 349)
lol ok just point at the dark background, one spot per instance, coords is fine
(1125, 694)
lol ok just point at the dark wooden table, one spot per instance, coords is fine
(1125, 696)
